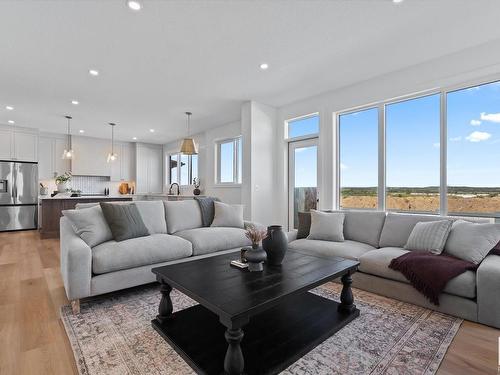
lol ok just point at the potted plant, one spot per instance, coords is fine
(196, 183)
(62, 182)
(255, 255)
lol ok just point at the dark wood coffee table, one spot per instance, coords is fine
(252, 322)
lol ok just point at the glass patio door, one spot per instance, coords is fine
(302, 178)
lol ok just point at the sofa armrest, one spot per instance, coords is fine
(488, 291)
(292, 235)
(76, 262)
(249, 224)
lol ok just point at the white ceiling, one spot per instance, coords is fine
(204, 56)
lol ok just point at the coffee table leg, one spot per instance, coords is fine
(233, 361)
(165, 309)
(346, 298)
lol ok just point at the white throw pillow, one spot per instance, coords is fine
(228, 215)
(327, 226)
(90, 225)
(429, 236)
(471, 241)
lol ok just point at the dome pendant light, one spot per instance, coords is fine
(112, 156)
(188, 146)
(68, 151)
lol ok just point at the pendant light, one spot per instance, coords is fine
(188, 146)
(112, 156)
(68, 151)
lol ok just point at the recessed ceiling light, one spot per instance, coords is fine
(75, 102)
(264, 66)
(397, 1)
(82, 131)
(134, 5)
(152, 130)
(9, 108)
(11, 122)
(94, 72)
(134, 138)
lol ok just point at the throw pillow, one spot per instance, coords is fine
(124, 220)
(304, 225)
(429, 236)
(207, 209)
(90, 225)
(471, 241)
(327, 226)
(153, 215)
(228, 215)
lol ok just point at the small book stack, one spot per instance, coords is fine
(239, 264)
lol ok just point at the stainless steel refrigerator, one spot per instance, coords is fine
(18, 195)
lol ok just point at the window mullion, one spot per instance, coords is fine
(443, 186)
(381, 191)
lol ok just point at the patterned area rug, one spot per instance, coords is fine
(113, 335)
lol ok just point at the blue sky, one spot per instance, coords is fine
(413, 141)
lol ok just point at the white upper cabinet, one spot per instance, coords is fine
(123, 169)
(50, 161)
(5, 144)
(20, 145)
(149, 168)
(90, 156)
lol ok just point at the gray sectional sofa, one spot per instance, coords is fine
(375, 238)
(176, 235)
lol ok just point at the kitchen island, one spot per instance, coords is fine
(51, 210)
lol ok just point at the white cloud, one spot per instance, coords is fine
(478, 136)
(456, 139)
(436, 144)
(493, 117)
(475, 122)
(343, 166)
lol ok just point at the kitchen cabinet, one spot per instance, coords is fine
(123, 169)
(50, 161)
(90, 156)
(149, 168)
(5, 144)
(20, 145)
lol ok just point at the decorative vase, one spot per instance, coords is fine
(275, 245)
(197, 191)
(255, 256)
(63, 187)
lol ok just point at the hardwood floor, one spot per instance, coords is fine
(33, 340)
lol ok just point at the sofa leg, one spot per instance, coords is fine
(75, 306)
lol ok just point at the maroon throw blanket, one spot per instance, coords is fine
(429, 273)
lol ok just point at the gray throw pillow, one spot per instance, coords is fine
(90, 225)
(207, 209)
(228, 215)
(327, 226)
(429, 236)
(124, 220)
(472, 242)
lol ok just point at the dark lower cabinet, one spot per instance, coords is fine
(52, 211)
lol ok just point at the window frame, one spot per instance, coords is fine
(381, 105)
(237, 163)
(190, 168)
(302, 137)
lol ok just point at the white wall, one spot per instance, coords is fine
(474, 66)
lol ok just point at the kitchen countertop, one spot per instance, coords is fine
(58, 196)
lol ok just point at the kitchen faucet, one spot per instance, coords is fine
(178, 189)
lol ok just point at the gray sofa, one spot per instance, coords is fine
(375, 238)
(176, 235)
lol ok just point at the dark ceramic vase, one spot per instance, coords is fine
(196, 191)
(275, 245)
(255, 256)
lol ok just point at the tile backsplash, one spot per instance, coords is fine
(88, 184)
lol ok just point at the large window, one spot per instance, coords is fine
(183, 168)
(358, 151)
(473, 118)
(303, 126)
(412, 154)
(229, 160)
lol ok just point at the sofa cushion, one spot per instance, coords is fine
(376, 263)
(90, 225)
(113, 256)
(182, 215)
(327, 226)
(363, 226)
(124, 220)
(228, 215)
(397, 228)
(153, 215)
(346, 249)
(212, 239)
